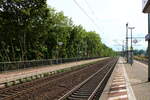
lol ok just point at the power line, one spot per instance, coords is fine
(91, 19)
(91, 9)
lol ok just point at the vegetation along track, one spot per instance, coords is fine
(55, 86)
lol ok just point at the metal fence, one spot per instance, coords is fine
(16, 65)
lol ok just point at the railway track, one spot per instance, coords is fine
(91, 88)
(31, 90)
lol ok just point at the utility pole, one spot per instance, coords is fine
(131, 51)
(123, 48)
(149, 48)
(127, 42)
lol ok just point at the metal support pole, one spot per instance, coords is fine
(131, 51)
(123, 48)
(149, 48)
(127, 42)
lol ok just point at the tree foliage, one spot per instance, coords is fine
(30, 30)
(140, 52)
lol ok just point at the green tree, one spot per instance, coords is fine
(30, 30)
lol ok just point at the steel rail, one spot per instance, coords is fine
(86, 81)
(27, 88)
(105, 77)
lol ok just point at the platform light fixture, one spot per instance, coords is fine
(131, 51)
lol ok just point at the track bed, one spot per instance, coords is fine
(52, 87)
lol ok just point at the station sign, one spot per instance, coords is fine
(146, 6)
(135, 41)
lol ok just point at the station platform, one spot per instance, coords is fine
(23, 73)
(128, 82)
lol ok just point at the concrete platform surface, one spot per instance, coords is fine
(138, 77)
(128, 82)
(14, 75)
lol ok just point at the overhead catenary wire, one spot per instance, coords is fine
(90, 18)
(91, 9)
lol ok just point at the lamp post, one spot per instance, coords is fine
(123, 48)
(127, 57)
(148, 47)
(131, 51)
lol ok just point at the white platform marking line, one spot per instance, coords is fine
(117, 97)
(118, 86)
(115, 83)
(119, 80)
(130, 92)
(115, 91)
(119, 76)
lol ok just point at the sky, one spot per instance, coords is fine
(109, 18)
